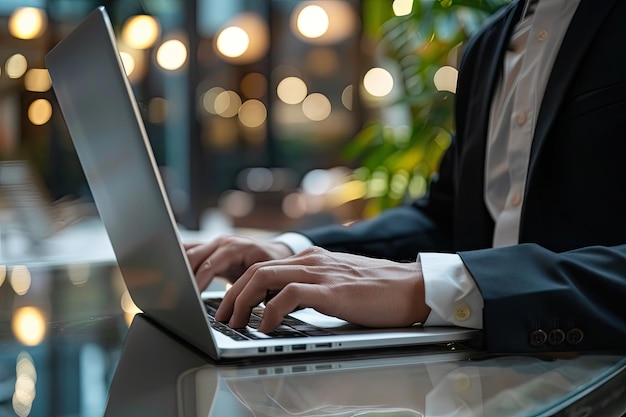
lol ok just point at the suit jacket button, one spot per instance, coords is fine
(556, 337)
(538, 338)
(574, 336)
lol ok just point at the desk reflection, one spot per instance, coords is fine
(160, 376)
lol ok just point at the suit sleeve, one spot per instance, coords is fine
(536, 300)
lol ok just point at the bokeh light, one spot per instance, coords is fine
(227, 103)
(172, 55)
(445, 79)
(402, 7)
(27, 23)
(16, 66)
(128, 62)
(312, 21)
(25, 385)
(378, 82)
(257, 179)
(233, 42)
(39, 112)
(294, 205)
(291, 90)
(316, 107)
(37, 80)
(244, 39)
(252, 113)
(347, 97)
(20, 279)
(208, 99)
(236, 203)
(28, 325)
(141, 32)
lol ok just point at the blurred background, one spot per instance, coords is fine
(277, 113)
(267, 114)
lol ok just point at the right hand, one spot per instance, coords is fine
(230, 256)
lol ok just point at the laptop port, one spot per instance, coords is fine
(278, 349)
(298, 347)
(323, 345)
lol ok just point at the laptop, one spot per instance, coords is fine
(108, 133)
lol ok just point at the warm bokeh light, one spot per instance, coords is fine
(227, 104)
(25, 385)
(233, 42)
(128, 62)
(378, 82)
(141, 32)
(347, 97)
(236, 203)
(324, 22)
(172, 55)
(294, 205)
(16, 66)
(20, 279)
(402, 7)
(208, 99)
(445, 79)
(254, 85)
(29, 326)
(27, 23)
(291, 90)
(37, 80)
(312, 21)
(78, 274)
(316, 107)
(244, 39)
(252, 113)
(39, 112)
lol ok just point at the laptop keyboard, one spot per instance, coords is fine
(289, 327)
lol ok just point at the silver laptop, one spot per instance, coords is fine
(102, 116)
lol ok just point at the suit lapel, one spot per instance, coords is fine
(585, 23)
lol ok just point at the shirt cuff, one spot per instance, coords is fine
(450, 292)
(295, 241)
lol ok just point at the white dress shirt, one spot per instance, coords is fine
(451, 293)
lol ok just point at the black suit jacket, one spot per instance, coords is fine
(564, 286)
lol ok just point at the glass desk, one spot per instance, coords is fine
(67, 350)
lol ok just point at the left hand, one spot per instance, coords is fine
(366, 291)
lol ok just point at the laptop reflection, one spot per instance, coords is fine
(160, 375)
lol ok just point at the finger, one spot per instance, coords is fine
(291, 297)
(227, 305)
(197, 254)
(261, 279)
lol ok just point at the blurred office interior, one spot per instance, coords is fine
(277, 113)
(274, 114)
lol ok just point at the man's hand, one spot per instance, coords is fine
(230, 256)
(366, 291)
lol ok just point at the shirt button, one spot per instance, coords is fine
(542, 35)
(462, 313)
(521, 118)
(516, 200)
